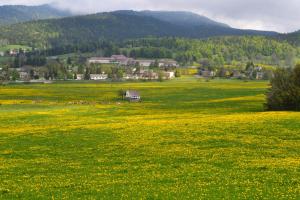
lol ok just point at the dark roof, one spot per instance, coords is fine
(119, 57)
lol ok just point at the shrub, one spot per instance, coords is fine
(177, 74)
(284, 93)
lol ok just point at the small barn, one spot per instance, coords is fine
(132, 95)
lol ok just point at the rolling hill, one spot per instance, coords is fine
(293, 38)
(118, 25)
(12, 14)
(183, 18)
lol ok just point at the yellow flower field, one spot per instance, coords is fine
(187, 139)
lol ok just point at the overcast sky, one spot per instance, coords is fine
(277, 15)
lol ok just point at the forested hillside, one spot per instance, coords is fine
(216, 51)
(293, 38)
(114, 26)
(17, 14)
(181, 18)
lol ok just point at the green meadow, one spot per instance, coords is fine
(17, 47)
(187, 139)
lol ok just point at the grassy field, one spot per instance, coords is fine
(188, 139)
(9, 47)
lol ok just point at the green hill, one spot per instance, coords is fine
(118, 25)
(293, 38)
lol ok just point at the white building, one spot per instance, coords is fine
(98, 77)
(169, 75)
(122, 60)
(101, 60)
(145, 63)
(131, 77)
(13, 52)
(260, 75)
(167, 63)
(79, 77)
(24, 76)
(132, 95)
(2, 53)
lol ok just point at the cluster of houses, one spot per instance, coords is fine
(131, 69)
(257, 73)
(141, 75)
(125, 61)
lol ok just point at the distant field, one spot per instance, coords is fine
(9, 47)
(4, 60)
(188, 139)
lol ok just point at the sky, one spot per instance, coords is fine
(274, 15)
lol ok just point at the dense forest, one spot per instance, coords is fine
(218, 51)
(293, 38)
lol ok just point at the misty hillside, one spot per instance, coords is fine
(183, 18)
(117, 25)
(12, 14)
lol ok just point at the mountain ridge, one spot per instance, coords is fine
(117, 25)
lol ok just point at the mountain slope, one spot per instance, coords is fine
(183, 18)
(16, 13)
(293, 38)
(118, 25)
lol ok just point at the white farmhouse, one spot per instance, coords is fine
(132, 95)
(79, 77)
(96, 77)
(24, 75)
(169, 75)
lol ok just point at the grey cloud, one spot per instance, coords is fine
(279, 15)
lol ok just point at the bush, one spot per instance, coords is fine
(284, 93)
(177, 74)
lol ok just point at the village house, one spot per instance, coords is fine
(24, 72)
(96, 77)
(79, 77)
(131, 77)
(132, 95)
(2, 53)
(206, 73)
(101, 60)
(167, 63)
(259, 75)
(169, 75)
(122, 60)
(144, 63)
(119, 57)
(148, 75)
(125, 61)
(114, 59)
(24, 76)
(13, 52)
